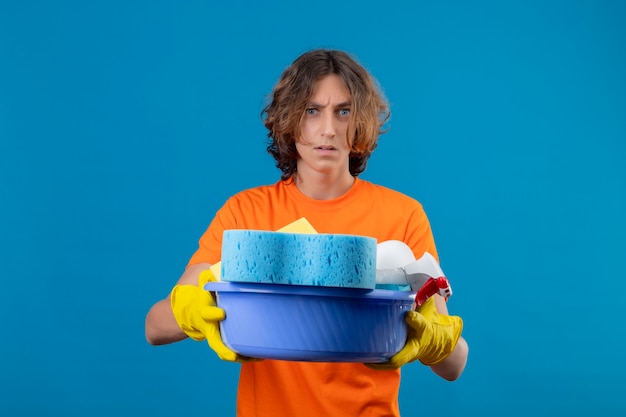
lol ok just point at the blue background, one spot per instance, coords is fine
(125, 125)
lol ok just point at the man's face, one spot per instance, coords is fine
(324, 145)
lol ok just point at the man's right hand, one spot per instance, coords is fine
(197, 314)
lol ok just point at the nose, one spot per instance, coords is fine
(328, 125)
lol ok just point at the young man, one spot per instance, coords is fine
(324, 119)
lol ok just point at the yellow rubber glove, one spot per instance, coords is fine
(431, 338)
(197, 314)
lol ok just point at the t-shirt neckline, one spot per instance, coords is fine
(332, 204)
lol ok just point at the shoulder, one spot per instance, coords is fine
(258, 192)
(255, 198)
(389, 195)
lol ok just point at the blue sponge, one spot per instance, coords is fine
(329, 260)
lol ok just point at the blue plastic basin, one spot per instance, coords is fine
(311, 323)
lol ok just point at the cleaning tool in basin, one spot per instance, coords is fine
(396, 264)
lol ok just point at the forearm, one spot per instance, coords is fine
(161, 326)
(452, 367)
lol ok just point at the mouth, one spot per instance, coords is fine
(325, 148)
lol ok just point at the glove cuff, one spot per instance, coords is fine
(184, 303)
(448, 331)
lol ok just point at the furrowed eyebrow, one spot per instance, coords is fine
(338, 106)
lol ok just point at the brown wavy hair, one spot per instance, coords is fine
(283, 114)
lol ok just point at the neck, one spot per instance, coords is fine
(322, 186)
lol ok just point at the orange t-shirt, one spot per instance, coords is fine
(284, 388)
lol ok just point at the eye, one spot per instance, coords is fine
(344, 112)
(310, 112)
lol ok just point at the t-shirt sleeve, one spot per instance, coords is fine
(210, 243)
(419, 235)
